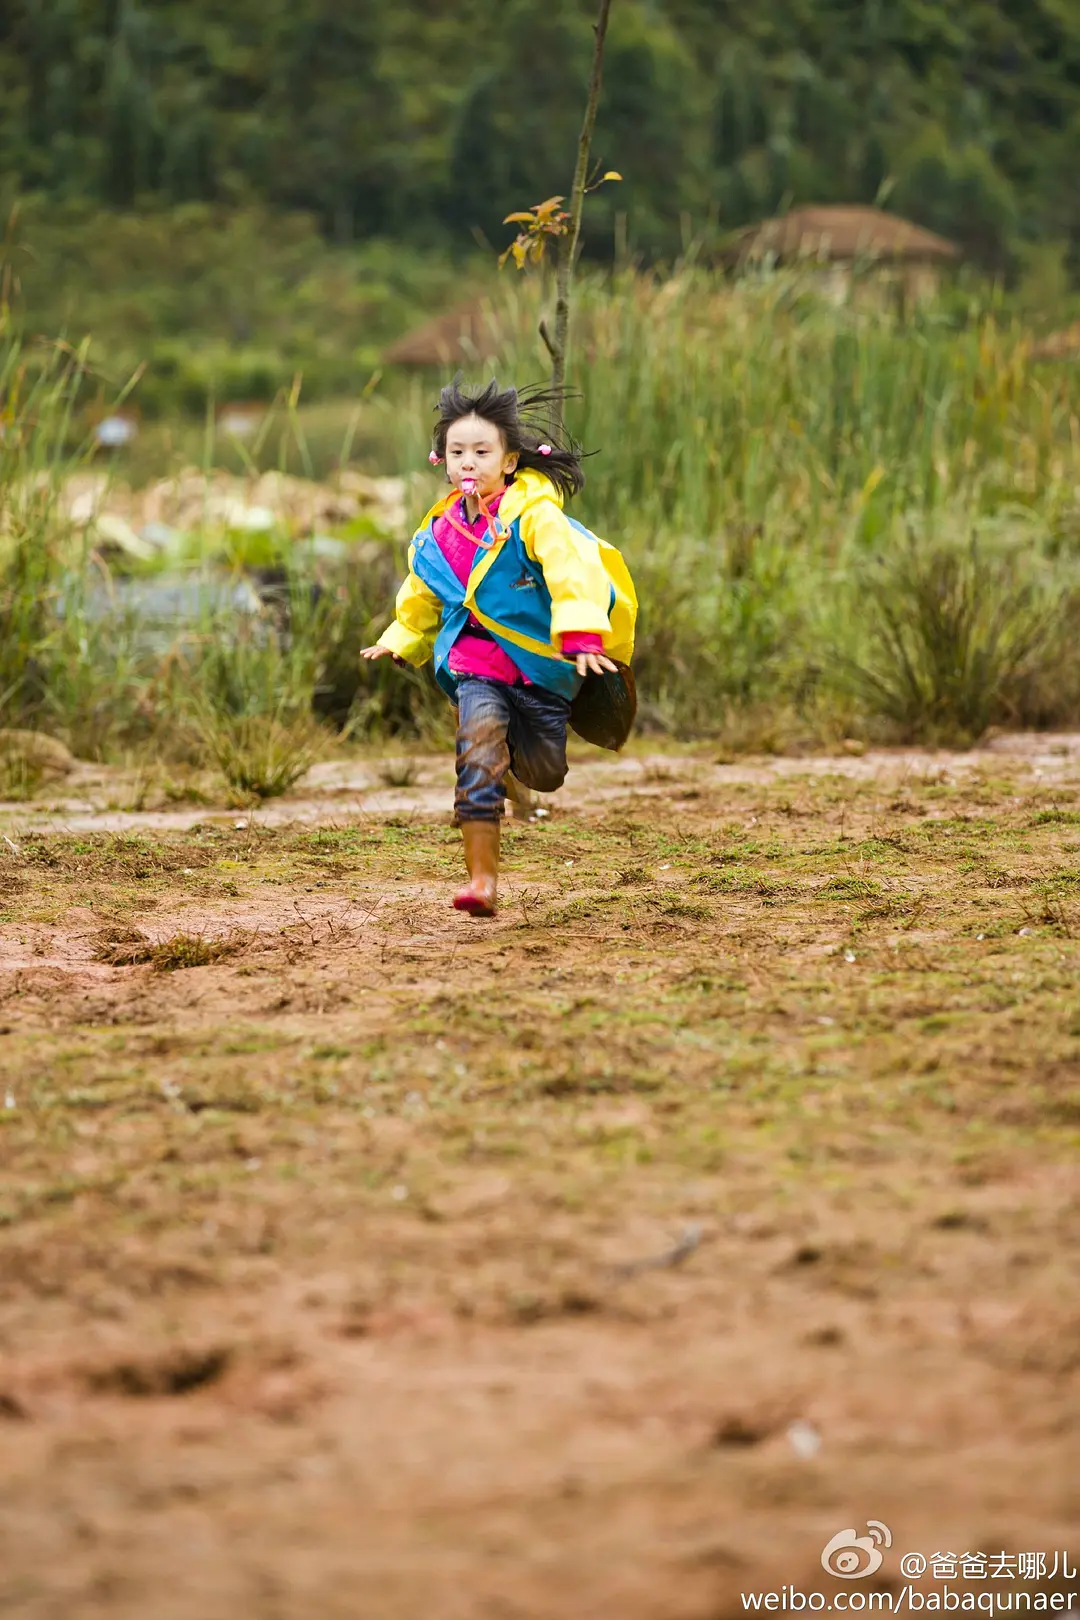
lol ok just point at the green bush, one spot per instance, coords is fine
(956, 634)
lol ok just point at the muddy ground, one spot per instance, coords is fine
(358, 1259)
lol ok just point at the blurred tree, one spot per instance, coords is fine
(517, 123)
(958, 191)
(653, 127)
(393, 118)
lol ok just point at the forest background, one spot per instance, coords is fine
(419, 124)
(289, 184)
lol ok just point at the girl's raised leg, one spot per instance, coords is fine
(537, 738)
(522, 801)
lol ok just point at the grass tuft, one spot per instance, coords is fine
(260, 756)
(954, 632)
(131, 948)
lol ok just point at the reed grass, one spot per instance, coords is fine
(842, 519)
(807, 490)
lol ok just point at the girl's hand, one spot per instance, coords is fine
(371, 653)
(593, 663)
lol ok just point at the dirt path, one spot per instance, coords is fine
(346, 788)
(357, 1259)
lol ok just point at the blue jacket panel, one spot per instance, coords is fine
(512, 592)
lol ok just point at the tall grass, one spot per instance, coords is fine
(38, 391)
(758, 449)
(840, 520)
(242, 682)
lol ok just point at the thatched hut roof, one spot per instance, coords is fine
(463, 334)
(842, 235)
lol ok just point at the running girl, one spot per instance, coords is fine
(518, 603)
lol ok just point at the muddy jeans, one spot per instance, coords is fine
(501, 728)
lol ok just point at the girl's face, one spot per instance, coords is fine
(475, 449)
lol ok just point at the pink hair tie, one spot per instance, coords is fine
(544, 449)
(434, 459)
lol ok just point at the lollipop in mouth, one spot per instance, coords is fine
(468, 486)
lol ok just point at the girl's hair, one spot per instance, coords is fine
(524, 419)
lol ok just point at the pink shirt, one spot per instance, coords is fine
(475, 652)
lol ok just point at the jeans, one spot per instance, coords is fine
(501, 728)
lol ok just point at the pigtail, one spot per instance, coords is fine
(561, 464)
(545, 446)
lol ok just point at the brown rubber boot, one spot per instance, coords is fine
(481, 841)
(522, 802)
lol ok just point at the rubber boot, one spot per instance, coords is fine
(481, 841)
(522, 802)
